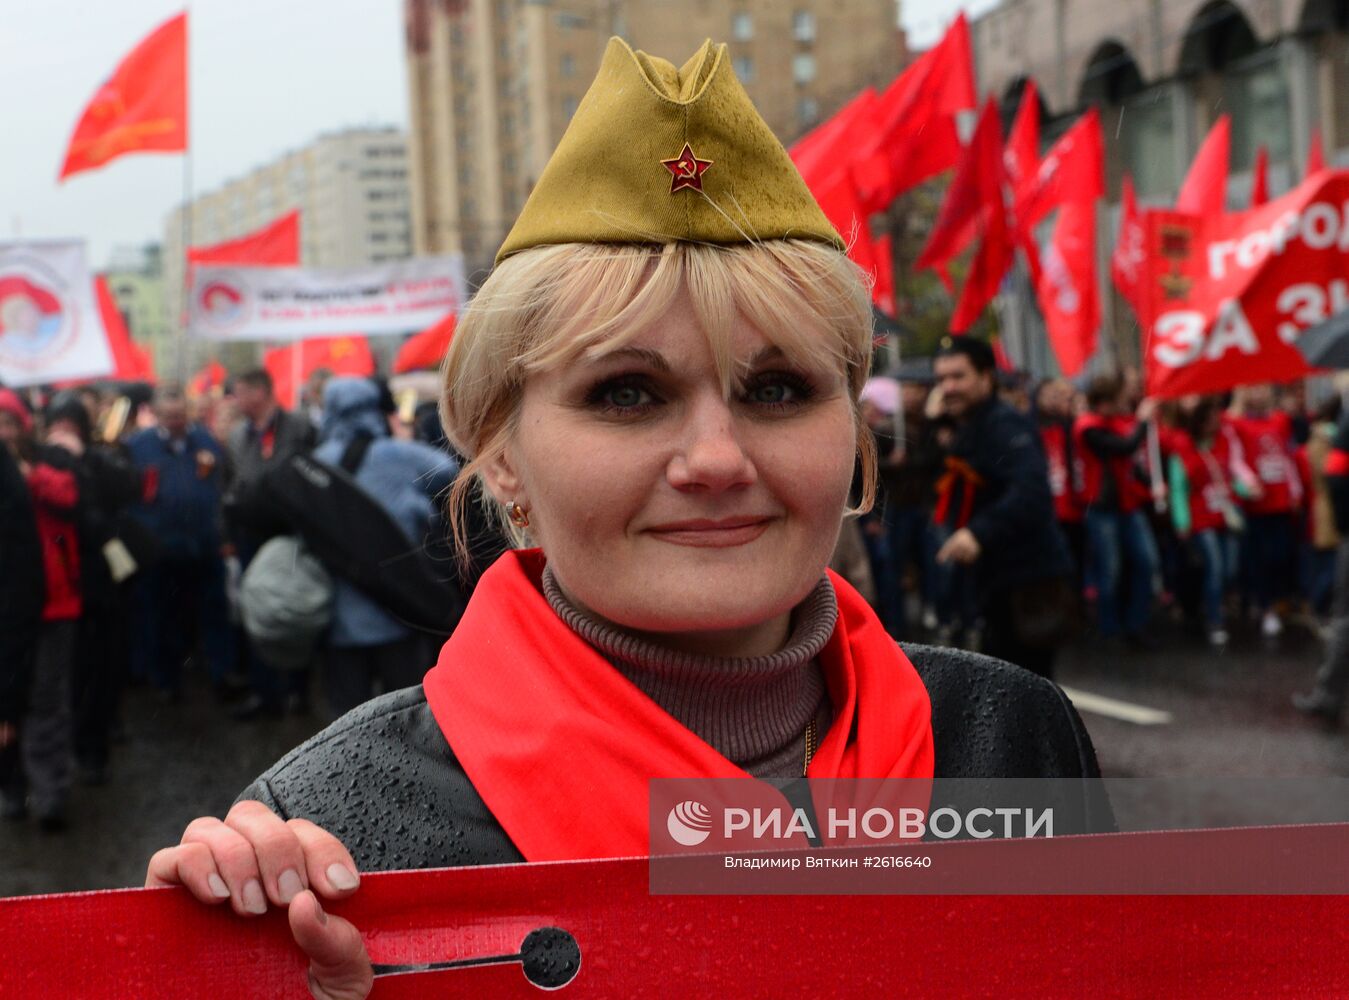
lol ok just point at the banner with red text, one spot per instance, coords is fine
(1224, 297)
(50, 328)
(292, 303)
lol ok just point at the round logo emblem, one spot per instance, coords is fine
(689, 823)
(37, 323)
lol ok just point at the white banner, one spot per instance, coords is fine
(295, 303)
(50, 328)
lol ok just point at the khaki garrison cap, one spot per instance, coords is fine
(656, 154)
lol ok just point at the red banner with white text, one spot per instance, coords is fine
(1225, 297)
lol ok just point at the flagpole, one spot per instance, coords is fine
(180, 369)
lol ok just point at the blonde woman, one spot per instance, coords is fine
(665, 411)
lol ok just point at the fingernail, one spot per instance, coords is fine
(318, 911)
(218, 887)
(254, 900)
(342, 877)
(289, 885)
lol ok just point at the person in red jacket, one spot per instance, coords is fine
(1203, 506)
(47, 728)
(1265, 437)
(1119, 538)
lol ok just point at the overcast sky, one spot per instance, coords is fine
(266, 76)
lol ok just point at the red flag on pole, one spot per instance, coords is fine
(1260, 178)
(1126, 262)
(916, 134)
(975, 190)
(1204, 191)
(131, 362)
(1067, 290)
(1021, 158)
(426, 349)
(1316, 157)
(141, 108)
(343, 355)
(277, 244)
(212, 375)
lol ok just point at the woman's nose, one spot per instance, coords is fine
(712, 457)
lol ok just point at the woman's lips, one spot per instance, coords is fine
(713, 534)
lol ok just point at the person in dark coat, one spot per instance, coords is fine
(265, 438)
(183, 470)
(673, 460)
(996, 507)
(23, 584)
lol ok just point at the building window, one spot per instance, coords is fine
(807, 112)
(744, 69)
(803, 26)
(742, 26)
(568, 66)
(803, 67)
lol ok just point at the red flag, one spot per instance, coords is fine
(916, 136)
(130, 361)
(1260, 178)
(210, 377)
(986, 273)
(348, 355)
(823, 156)
(975, 190)
(1072, 170)
(426, 349)
(1066, 289)
(277, 244)
(142, 107)
(1126, 262)
(1021, 158)
(1204, 191)
(1316, 157)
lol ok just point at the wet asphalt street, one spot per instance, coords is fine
(1229, 716)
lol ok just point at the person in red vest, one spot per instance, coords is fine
(1053, 409)
(1203, 505)
(1120, 547)
(1265, 438)
(671, 427)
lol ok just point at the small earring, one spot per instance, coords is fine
(518, 515)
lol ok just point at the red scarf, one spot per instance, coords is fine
(561, 746)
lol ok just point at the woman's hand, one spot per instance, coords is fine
(253, 857)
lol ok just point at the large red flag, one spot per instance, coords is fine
(990, 265)
(1260, 178)
(130, 361)
(1126, 262)
(348, 355)
(1021, 158)
(276, 244)
(1316, 157)
(975, 190)
(1066, 289)
(1204, 191)
(141, 108)
(824, 156)
(916, 135)
(1072, 170)
(426, 349)
(983, 170)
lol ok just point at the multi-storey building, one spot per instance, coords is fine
(493, 84)
(350, 187)
(135, 276)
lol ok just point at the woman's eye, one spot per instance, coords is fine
(626, 396)
(778, 390)
(622, 397)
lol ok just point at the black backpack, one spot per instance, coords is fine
(357, 540)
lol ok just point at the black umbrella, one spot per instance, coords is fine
(1326, 345)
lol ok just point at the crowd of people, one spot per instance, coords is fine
(1206, 509)
(130, 519)
(1003, 511)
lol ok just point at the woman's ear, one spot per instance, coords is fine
(503, 482)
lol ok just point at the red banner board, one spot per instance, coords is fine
(1225, 296)
(160, 943)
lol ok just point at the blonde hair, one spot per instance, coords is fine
(550, 305)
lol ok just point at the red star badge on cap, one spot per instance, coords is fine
(687, 169)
